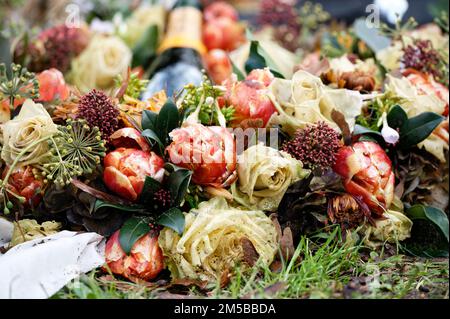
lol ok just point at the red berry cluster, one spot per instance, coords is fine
(163, 198)
(315, 146)
(98, 110)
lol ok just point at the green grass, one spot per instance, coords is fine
(332, 269)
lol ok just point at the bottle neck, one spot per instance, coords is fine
(184, 29)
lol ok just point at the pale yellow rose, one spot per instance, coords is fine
(390, 57)
(264, 175)
(96, 68)
(306, 100)
(416, 103)
(21, 135)
(393, 228)
(212, 240)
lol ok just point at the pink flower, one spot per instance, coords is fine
(52, 86)
(210, 152)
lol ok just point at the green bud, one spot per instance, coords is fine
(6, 211)
(9, 205)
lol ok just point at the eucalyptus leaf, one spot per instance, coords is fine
(173, 219)
(418, 128)
(133, 229)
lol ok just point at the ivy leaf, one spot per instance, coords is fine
(431, 214)
(418, 128)
(133, 229)
(149, 120)
(397, 117)
(102, 204)
(173, 219)
(168, 120)
(145, 49)
(178, 183)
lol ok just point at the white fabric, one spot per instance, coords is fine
(38, 269)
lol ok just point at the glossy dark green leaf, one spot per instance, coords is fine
(168, 120)
(418, 128)
(431, 214)
(154, 139)
(146, 47)
(133, 229)
(397, 117)
(102, 204)
(239, 74)
(259, 59)
(173, 219)
(178, 183)
(149, 120)
(361, 130)
(255, 60)
(151, 186)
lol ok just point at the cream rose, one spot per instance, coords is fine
(306, 100)
(416, 102)
(264, 175)
(99, 64)
(393, 228)
(216, 238)
(24, 137)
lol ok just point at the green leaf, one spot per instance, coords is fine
(255, 60)
(259, 59)
(173, 219)
(133, 229)
(168, 120)
(431, 214)
(102, 204)
(151, 186)
(178, 183)
(361, 130)
(149, 120)
(418, 128)
(397, 117)
(240, 75)
(146, 47)
(154, 138)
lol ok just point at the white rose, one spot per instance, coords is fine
(24, 137)
(264, 175)
(99, 64)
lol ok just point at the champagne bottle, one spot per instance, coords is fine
(179, 61)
